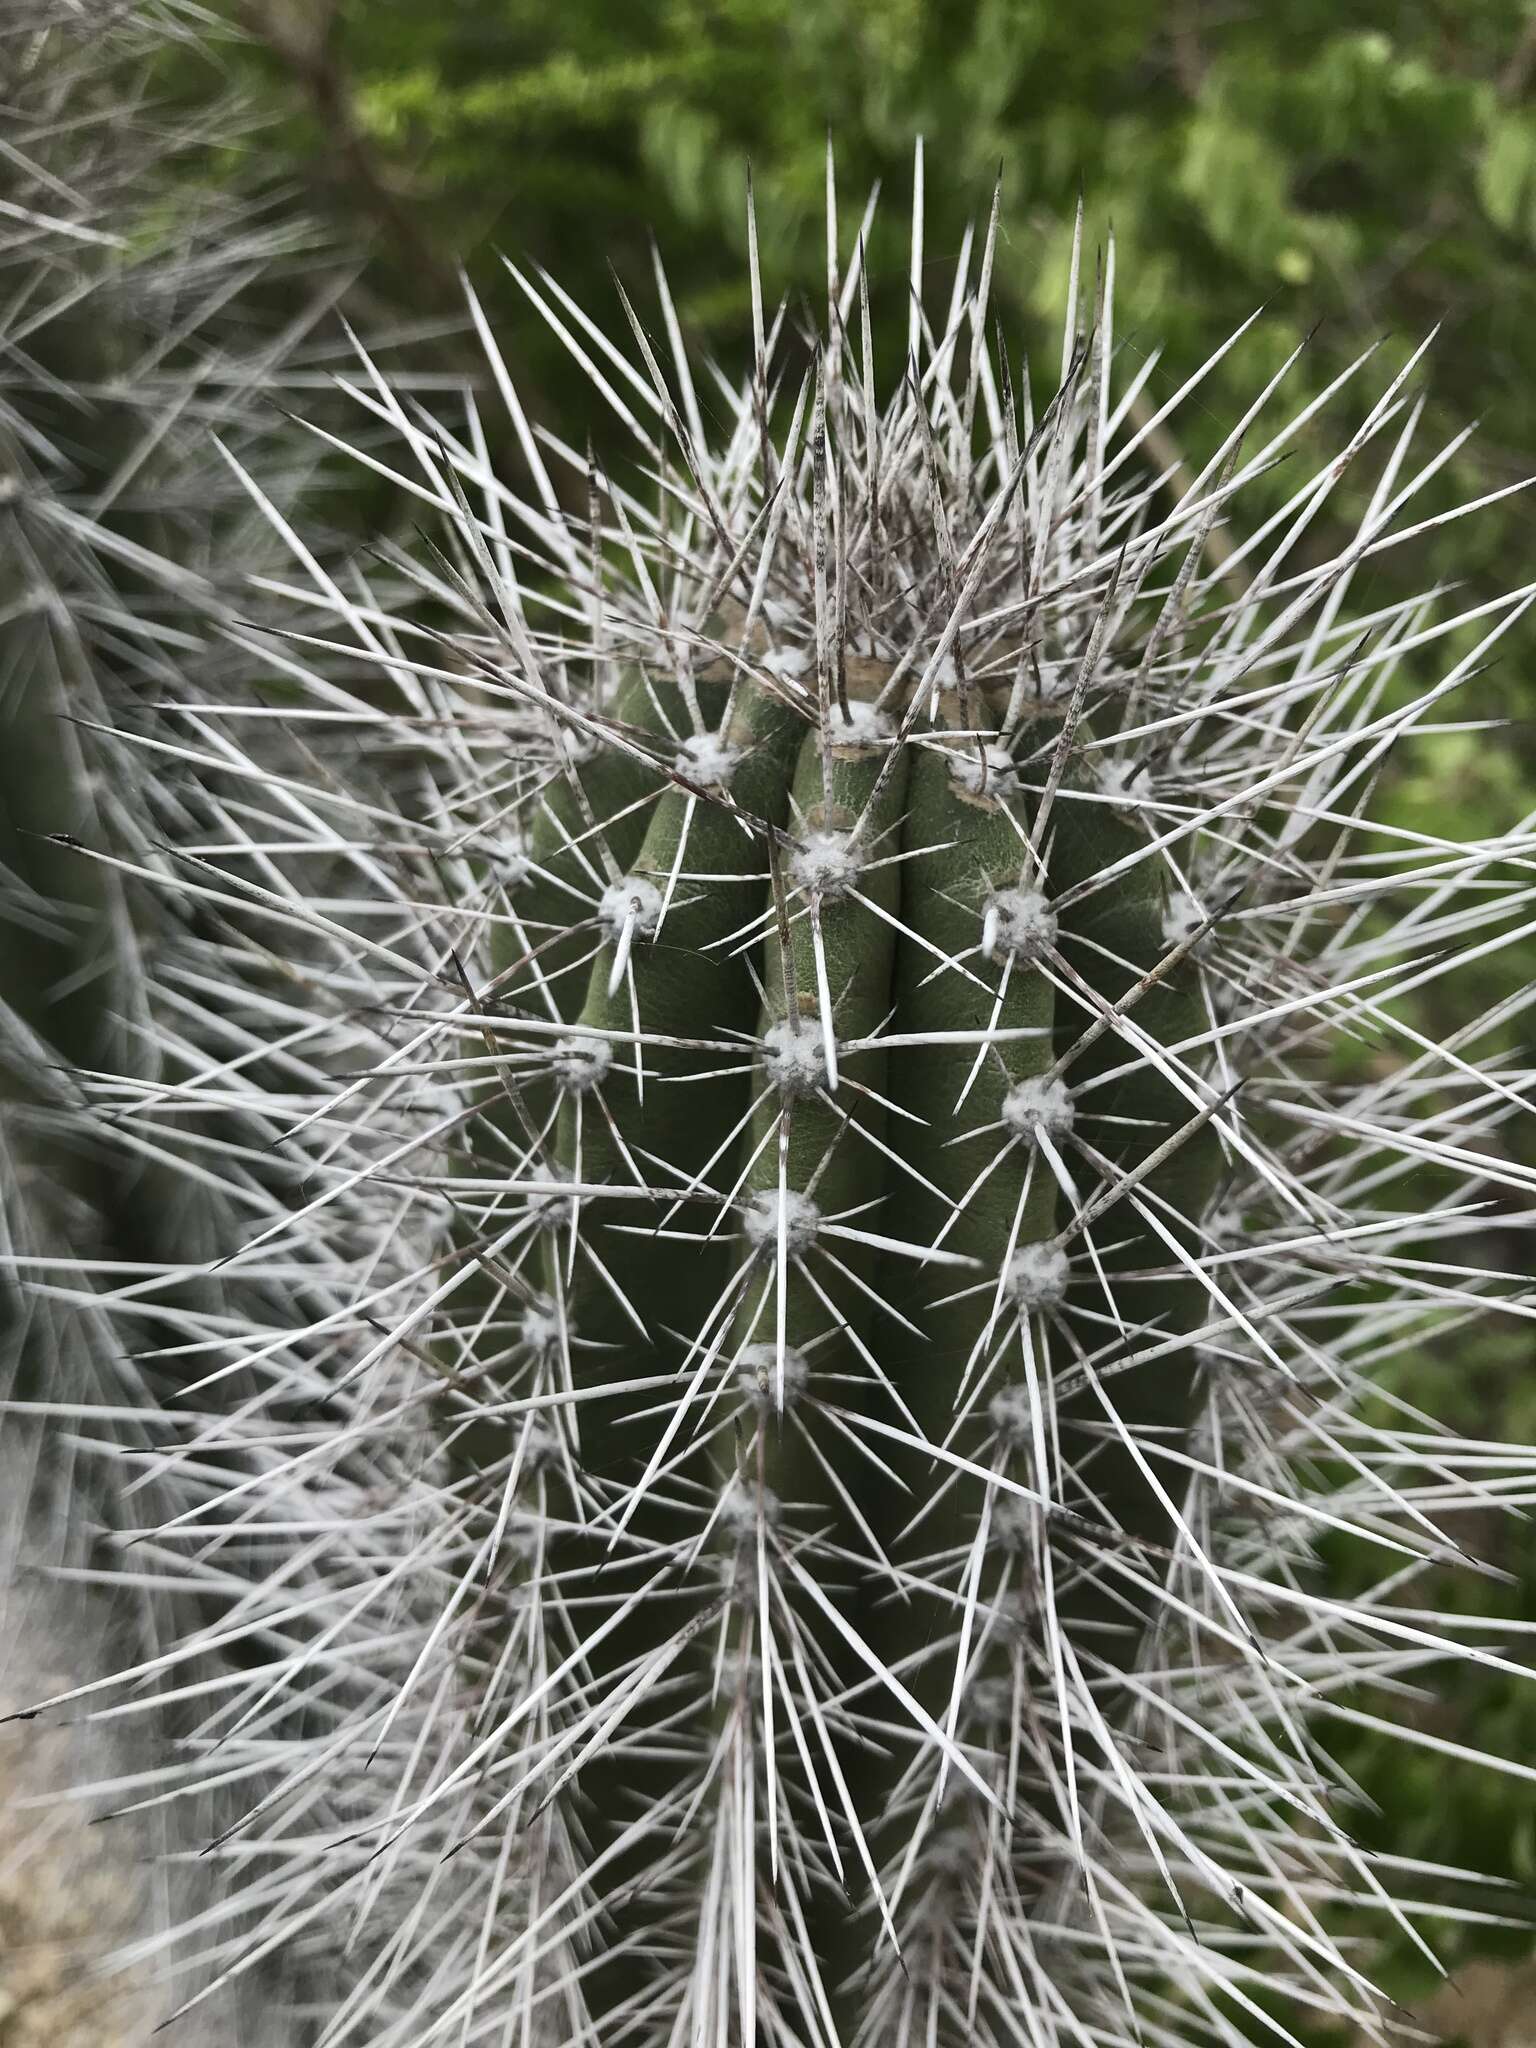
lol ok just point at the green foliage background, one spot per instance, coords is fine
(1364, 170)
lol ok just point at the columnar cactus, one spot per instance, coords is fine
(829, 1255)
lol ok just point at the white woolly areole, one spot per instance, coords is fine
(989, 1703)
(1039, 1103)
(1011, 1413)
(552, 1211)
(758, 1370)
(539, 1331)
(1126, 781)
(706, 759)
(1015, 1523)
(575, 744)
(1018, 1611)
(863, 725)
(743, 1507)
(743, 1511)
(740, 1670)
(634, 902)
(991, 773)
(540, 1446)
(795, 1057)
(581, 1064)
(524, 1541)
(826, 864)
(1182, 916)
(1036, 1276)
(788, 663)
(802, 1220)
(1018, 921)
(950, 1854)
(1223, 1225)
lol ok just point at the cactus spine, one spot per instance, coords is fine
(837, 1277)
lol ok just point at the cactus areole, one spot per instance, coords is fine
(859, 1021)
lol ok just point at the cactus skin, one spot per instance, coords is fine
(786, 1484)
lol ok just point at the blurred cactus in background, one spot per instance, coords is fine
(134, 341)
(148, 328)
(807, 1142)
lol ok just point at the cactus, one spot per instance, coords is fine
(840, 1040)
(139, 331)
